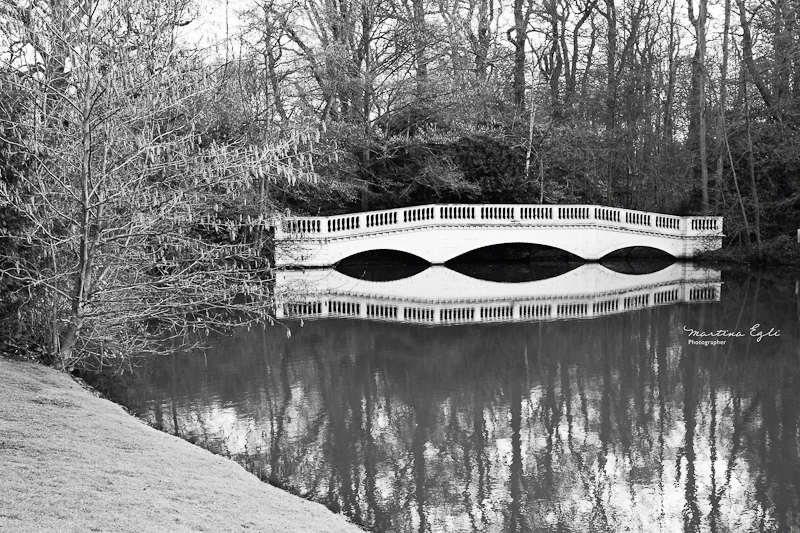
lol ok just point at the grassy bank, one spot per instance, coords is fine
(73, 462)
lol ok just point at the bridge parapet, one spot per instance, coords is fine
(588, 231)
(495, 214)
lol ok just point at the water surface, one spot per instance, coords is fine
(654, 413)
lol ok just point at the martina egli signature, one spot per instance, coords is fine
(714, 337)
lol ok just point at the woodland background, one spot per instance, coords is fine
(139, 171)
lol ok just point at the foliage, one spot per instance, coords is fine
(777, 166)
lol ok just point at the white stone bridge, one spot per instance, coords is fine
(438, 233)
(440, 296)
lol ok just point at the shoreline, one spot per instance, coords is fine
(782, 251)
(78, 462)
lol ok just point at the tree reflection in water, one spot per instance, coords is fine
(610, 424)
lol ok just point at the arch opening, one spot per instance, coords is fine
(515, 262)
(516, 251)
(381, 265)
(637, 260)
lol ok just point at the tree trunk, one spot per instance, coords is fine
(611, 98)
(791, 29)
(556, 60)
(697, 128)
(366, 60)
(749, 61)
(782, 45)
(572, 54)
(723, 102)
(420, 41)
(484, 40)
(81, 284)
(672, 74)
(272, 73)
(752, 171)
(521, 16)
(738, 193)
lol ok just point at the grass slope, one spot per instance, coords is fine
(72, 462)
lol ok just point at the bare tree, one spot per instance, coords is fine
(124, 193)
(518, 35)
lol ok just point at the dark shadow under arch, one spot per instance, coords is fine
(637, 260)
(516, 251)
(515, 262)
(381, 265)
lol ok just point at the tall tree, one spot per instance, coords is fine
(616, 62)
(753, 70)
(721, 133)
(518, 35)
(697, 102)
(482, 39)
(673, 52)
(419, 29)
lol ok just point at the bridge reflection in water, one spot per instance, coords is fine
(440, 295)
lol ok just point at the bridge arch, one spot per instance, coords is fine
(440, 245)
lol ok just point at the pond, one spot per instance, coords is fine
(574, 398)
